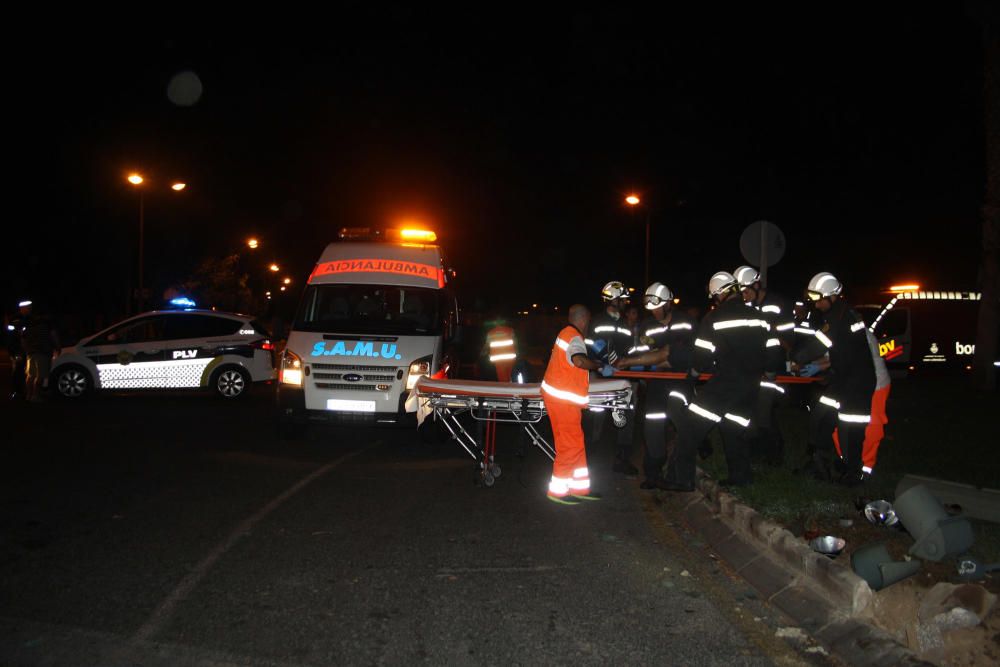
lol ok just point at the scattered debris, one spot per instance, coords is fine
(685, 573)
(828, 545)
(938, 536)
(795, 634)
(944, 598)
(881, 513)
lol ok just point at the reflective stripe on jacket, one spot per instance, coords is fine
(501, 343)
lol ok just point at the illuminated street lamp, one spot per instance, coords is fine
(288, 281)
(253, 243)
(177, 187)
(274, 268)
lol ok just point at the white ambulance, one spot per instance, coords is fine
(377, 314)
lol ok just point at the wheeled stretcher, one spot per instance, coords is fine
(490, 403)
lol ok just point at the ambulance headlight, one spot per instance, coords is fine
(418, 368)
(291, 368)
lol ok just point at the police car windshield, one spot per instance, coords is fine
(370, 309)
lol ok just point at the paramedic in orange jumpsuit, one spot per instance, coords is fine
(502, 350)
(565, 392)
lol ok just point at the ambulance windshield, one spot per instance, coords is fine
(370, 309)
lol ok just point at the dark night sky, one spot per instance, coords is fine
(516, 137)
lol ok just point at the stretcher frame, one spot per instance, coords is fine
(490, 403)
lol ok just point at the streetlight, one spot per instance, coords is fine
(288, 281)
(137, 180)
(253, 243)
(274, 267)
(633, 200)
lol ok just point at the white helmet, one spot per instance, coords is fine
(822, 285)
(721, 282)
(746, 275)
(614, 290)
(657, 295)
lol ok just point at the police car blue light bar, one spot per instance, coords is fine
(183, 302)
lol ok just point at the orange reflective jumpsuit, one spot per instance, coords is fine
(502, 351)
(564, 390)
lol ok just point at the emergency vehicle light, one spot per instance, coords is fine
(410, 234)
(183, 302)
(904, 288)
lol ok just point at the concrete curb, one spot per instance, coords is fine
(825, 598)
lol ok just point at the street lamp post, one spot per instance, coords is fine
(633, 200)
(137, 180)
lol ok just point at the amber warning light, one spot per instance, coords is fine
(905, 288)
(418, 235)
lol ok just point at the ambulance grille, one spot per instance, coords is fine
(346, 368)
(367, 378)
(345, 387)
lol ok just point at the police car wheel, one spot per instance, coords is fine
(72, 382)
(230, 382)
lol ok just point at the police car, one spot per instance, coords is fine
(169, 349)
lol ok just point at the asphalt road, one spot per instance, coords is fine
(177, 529)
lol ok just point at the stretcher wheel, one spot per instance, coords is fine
(495, 470)
(488, 478)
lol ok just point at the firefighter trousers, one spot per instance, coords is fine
(849, 417)
(766, 443)
(659, 428)
(694, 428)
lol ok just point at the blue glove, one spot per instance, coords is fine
(607, 370)
(599, 345)
(809, 370)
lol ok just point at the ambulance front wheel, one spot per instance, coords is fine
(230, 382)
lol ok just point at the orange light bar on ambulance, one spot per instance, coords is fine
(425, 235)
(905, 288)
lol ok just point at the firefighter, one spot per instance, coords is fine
(501, 349)
(766, 443)
(565, 392)
(731, 342)
(845, 403)
(665, 344)
(608, 339)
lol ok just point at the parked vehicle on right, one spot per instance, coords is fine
(921, 331)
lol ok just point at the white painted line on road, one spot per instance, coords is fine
(165, 611)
